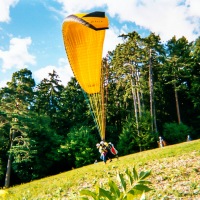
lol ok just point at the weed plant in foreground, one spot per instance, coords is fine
(138, 186)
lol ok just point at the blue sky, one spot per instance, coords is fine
(31, 30)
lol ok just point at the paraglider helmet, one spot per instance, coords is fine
(97, 145)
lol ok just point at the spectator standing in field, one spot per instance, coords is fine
(188, 138)
(161, 142)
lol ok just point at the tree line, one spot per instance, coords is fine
(151, 89)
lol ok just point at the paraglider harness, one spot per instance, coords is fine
(109, 147)
(112, 149)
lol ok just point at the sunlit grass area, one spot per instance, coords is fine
(175, 174)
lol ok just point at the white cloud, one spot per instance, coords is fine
(111, 39)
(77, 6)
(193, 7)
(63, 71)
(5, 9)
(17, 56)
(164, 17)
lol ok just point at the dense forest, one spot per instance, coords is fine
(151, 89)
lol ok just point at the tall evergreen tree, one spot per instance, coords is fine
(154, 52)
(178, 59)
(16, 99)
(194, 87)
(47, 98)
(48, 95)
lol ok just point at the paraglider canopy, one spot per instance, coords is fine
(83, 36)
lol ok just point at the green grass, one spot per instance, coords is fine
(175, 174)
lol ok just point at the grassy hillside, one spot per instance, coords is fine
(175, 175)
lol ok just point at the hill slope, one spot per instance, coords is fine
(175, 175)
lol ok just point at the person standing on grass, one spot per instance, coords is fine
(105, 146)
(161, 142)
(103, 152)
(188, 138)
(110, 150)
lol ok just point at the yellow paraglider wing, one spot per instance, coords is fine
(83, 36)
